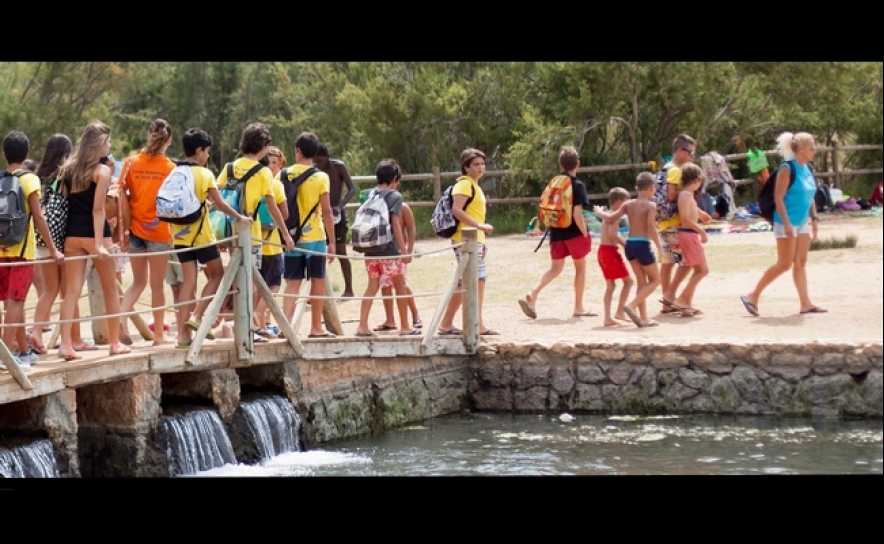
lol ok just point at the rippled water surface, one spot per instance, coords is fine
(506, 444)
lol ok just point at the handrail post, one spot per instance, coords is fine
(243, 299)
(836, 164)
(437, 184)
(469, 235)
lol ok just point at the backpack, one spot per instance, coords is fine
(557, 203)
(176, 199)
(371, 231)
(233, 193)
(293, 222)
(443, 221)
(665, 208)
(55, 210)
(14, 218)
(766, 204)
(267, 223)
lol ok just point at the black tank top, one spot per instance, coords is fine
(80, 217)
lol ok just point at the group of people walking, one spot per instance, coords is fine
(311, 192)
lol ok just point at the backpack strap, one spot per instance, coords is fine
(17, 175)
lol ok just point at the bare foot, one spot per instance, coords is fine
(163, 340)
(612, 323)
(621, 317)
(650, 323)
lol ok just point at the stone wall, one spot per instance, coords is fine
(775, 379)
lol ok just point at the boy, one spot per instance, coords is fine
(611, 262)
(197, 143)
(573, 240)
(271, 252)
(691, 236)
(15, 281)
(314, 207)
(339, 178)
(642, 214)
(409, 232)
(386, 272)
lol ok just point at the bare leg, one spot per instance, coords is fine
(389, 320)
(785, 258)
(156, 276)
(365, 306)
(624, 296)
(610, 287)
(799, 272)
(346, 268)
(579, 285)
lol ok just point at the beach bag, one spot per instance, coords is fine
(443, 221)
(55, 210)
(757, 161)
(557, 203)
(176, 199)
(665, 208)
(14, 218)
(233, 193)
(766, 204)
(371, 231)
(293, 222)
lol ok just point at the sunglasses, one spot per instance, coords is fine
(688, 151)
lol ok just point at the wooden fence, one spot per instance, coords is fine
(836, 172)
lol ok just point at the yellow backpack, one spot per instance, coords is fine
(557, 203)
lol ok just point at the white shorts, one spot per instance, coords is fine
(779, 229)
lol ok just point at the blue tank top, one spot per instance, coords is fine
(799, 196)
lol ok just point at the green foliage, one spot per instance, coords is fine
(847, 241)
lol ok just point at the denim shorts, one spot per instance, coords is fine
(136, 244)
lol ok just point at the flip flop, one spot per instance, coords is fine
(384, 327)
(39, 349)
(85, 346)
(526, 309)
(366, 334)
(489, 332)
(587, 313)
(814, 310)
(669, 311)
(183, 346)
(70, 354)
(665, 302)
(417, 323)
(412, 332)
(258, 340)
(119, 349)
(325, 335)
(451, 332)
(191, 324)
(632, 316)
(751, 308)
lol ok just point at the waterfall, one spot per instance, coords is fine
(197, 441)
(274, 424)
(34, 460)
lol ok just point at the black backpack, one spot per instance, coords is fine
(293, 223)
(14, 218)
(766, 204)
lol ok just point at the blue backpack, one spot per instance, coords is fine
(233, 193)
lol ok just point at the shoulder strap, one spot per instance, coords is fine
(283, 174)
(304, 175)
(472, 195)
(252, 171)
(229, 171)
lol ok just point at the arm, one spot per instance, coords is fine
(577, 218)
(814, 220)
(409, 227)
(652, 228)
(125, 212)
(611, 217)
(685, 203)
(41, 226)
(102, 180)
(351, 189)
(458, 212)
(782, 185)
(328, 222)
(396, 223)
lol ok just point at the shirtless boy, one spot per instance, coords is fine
(642, 214)
(338, 177)
(691, 236)
(611, 261)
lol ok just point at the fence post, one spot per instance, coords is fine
(100, 331)
(836, 164)
(243, 299)
(471, 289)
(437, 184)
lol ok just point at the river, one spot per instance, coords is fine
(519, 444)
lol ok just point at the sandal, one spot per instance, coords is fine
(417, 324)
(38, 348)
(86, 346)
(67, 353)
(119, 349)
(195, 325)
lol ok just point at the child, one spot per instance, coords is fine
(611, 262)
(690, 237)
(383, 272)
(409, 232)
(642, 214)
(196, 143)
(573, 240)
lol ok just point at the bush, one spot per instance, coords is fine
(848, 241)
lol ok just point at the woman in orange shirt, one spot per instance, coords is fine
(140, 180)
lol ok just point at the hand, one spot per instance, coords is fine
(704, 217)
(406, 260)
(331, 253)
(598, 209)
(58, 256)
(102, 252)
(336, 210)
(704, 238)
(289, 243)
(488, 229)
(790, 231)
(246, 219)
(813, 230)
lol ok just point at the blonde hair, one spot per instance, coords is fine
(788, 143)
(159, 133)
(277, 152)
(80, 165)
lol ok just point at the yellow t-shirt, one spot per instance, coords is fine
(673, 175)
(476, 208)
(199, 233)
(29, 184)
(270, 249)
(308, 196)
(257, 186)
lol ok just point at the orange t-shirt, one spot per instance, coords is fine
(143, 179)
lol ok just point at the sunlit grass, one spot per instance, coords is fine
(835, 242)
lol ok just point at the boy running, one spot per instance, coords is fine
(691, 236)
(611, 262)
(642, 214)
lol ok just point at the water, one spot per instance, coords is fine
(198, 441)
(29, 460)
(274, 423)
(506, 444)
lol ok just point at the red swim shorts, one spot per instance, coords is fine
(577, 247)
(611, 262)
(15, 281)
